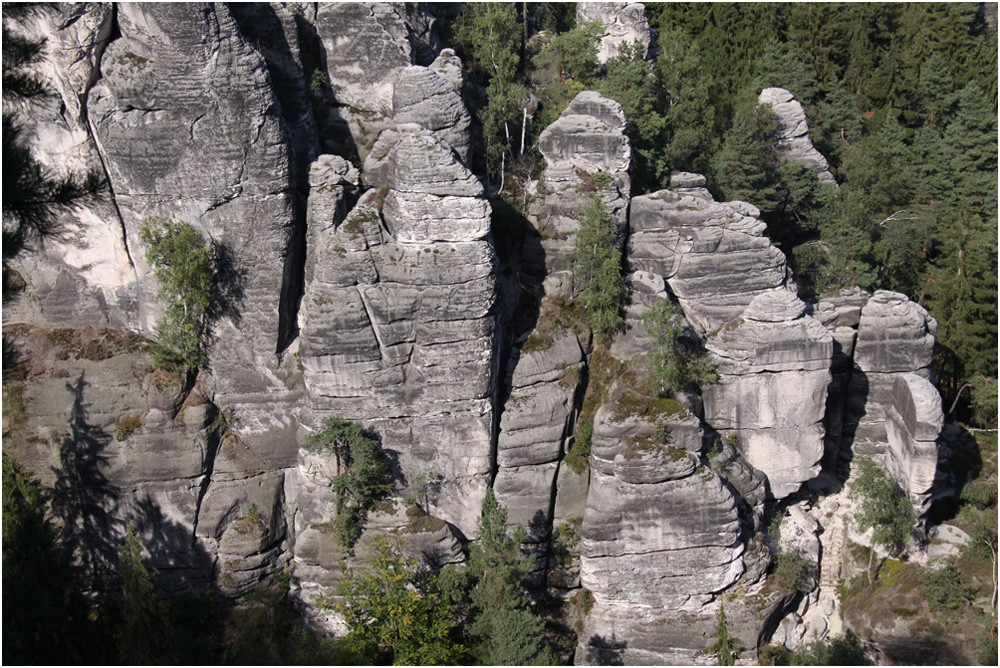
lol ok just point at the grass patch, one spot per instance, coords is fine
(127, 426)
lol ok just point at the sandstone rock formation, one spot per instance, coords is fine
(913, 425)
(587, 155)
(624, 23)
(712, 255)
(366, 45)
(794, 143)
(397, 323)
(774, 369)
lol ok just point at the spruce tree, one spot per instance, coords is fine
(509, 633)
(726, 647)
(146, 631)
(746, 167)
(597, 271)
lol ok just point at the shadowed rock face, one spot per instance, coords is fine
(794, 144)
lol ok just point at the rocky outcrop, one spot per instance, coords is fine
(913, 424)
(794, 144)
(714, 256)
(895, 336)
(423, 96)
(624, 23)
(661, 536)
(397, 322)
(366, 46)
(774, 369)
(587, 156)
(121, 444)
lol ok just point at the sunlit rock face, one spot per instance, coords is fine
(794, 144)
(774, 368)
(623, 23)
(397, 322)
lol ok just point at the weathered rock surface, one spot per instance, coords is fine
(397, 323)
(794, 144)
(624, 23)
(587, 156)
(366, 45)
(913, 424)
(712, 255)
(121, 444)
(895, 336)
(661, 537)
(423, 96)
(774, 369)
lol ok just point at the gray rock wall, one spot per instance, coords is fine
(624, 23)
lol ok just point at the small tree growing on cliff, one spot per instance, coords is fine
(884, 509)
(598, 272)
(184, 266)
(726, 648)
(361, 482)
(677, 364)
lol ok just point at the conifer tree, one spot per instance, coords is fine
(746, 167)
(146, 631)
(597, 271)
(509, 633)
(726, 647)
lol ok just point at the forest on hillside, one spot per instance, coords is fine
(901, 98)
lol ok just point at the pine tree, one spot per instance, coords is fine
(44, 620)
(690, 132)
(971, 139)
(726, 648)
(746, 167)
(396, 611)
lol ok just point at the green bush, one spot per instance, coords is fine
(677, 364)
(362, 478)
(944, 590)
(791, 571)
(184, 267)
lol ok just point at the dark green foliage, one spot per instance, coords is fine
(508, 633)
(488, 31)
(726, 648)
(597, 271)
(746, 167)
(843, 650)
(361, 482)
(945, 590)
(791, 570)
(44, 619)
(395, 611)
(184, 266)
(33, 197)
(678, 363)
(146, 633)
(628, 81)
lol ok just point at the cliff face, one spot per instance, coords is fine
(388, 290)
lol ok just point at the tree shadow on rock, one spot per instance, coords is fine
(83, 496)
(604, 652)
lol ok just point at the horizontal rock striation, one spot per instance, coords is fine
(774, 370)
(587, 156)
(712, 255)
(794, 144)
(661, 535)
(397, 322)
